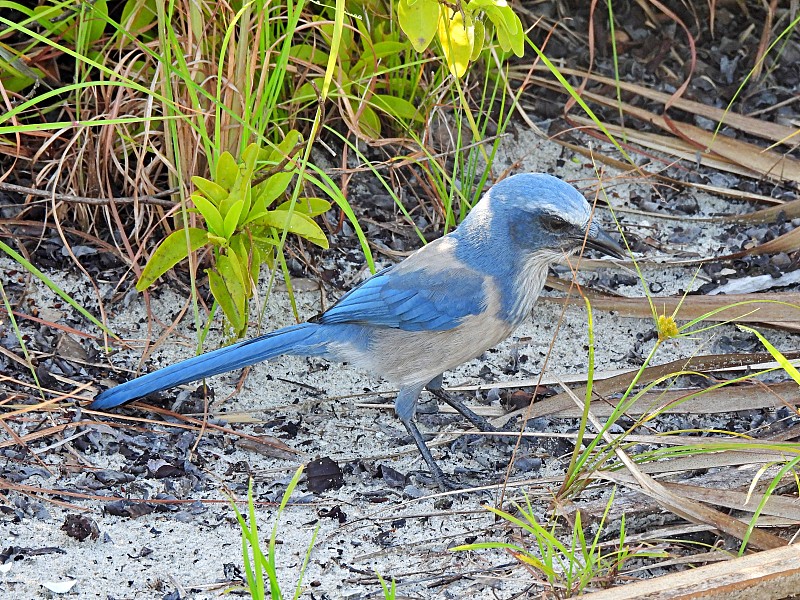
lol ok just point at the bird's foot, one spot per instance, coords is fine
(458, 405)
(438, 479)
(437, 476)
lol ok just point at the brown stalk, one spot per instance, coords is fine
(768, 575)
(766, 163)
(619, 383)
(714, 401)
(776, 506)
(780, 309)
(763, 43)
(774, 132)
(155, 199)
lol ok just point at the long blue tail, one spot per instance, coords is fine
(297, 339)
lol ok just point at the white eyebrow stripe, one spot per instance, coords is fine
(558, 211)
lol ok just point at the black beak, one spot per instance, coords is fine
(599, 240)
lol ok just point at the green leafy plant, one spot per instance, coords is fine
(376, 74)
(257, 564)
(381, 77)
(201, 107)
(465, 31)
(243, 228)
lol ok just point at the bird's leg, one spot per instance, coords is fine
(405, 406)
(436, 471)
(435, 388)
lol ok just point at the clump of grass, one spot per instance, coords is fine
(389, 589)
(261, 568)
(569, 567)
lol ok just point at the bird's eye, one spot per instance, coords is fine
(555, 224)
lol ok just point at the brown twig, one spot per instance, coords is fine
(154, 199)
(280, 167)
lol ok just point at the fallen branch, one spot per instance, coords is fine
(767, 575)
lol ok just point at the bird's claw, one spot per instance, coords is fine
(440, 480)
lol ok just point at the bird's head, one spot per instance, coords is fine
(539, 214)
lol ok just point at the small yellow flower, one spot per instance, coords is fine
(667, 328)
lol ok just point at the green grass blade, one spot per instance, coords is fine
(776, 354)
(49, 283)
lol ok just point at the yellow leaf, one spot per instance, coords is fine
(418, 19)
(457, 37)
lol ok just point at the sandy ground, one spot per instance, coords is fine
(194, 551)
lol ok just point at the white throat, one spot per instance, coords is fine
(530, 281)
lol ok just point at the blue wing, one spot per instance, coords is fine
(423, 293)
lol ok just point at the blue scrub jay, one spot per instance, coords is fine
(444, 305)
